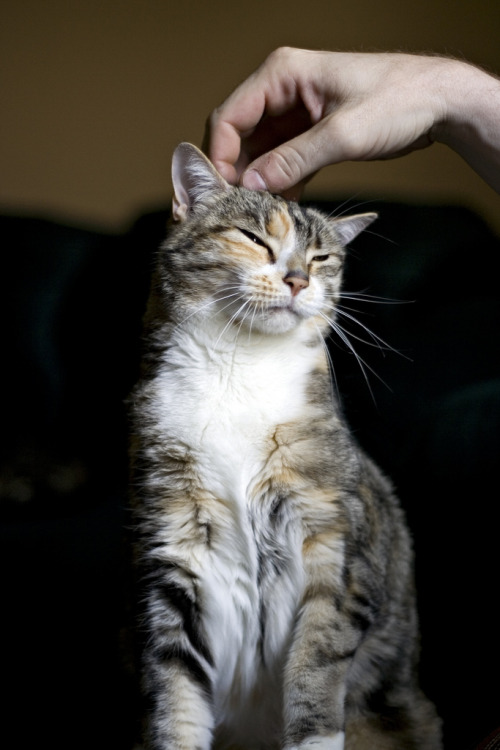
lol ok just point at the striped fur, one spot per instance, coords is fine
(274, 565)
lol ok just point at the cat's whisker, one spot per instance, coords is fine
(364, 366)
(199, 309)
(346, 207)
(230, 322)
(377, 341)
(234, 297)
(224, 329)
(211, 303)
(193, 313)
(252, 321)
(244, 316)
(373, 298)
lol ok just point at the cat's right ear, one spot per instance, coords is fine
(194, 179)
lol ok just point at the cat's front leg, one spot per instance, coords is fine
(333, 742)
(324, 643)
(315, 684)
(176, 665)
(179, 714)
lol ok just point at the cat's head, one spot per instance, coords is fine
(259, 261)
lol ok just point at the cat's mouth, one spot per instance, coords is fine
(288, 307)
(278, 318)
(276, 314)
(285, 310)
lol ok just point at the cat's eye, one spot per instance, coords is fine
(320, 258)
(253, 237)
(257, 240)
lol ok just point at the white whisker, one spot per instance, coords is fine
(251, 322)
(210, 303)
(230, 321)
(346, 207)
(373, 298)
(364, 366)
(377, 341)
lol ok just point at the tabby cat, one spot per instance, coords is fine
(274, 564)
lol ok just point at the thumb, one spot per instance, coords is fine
(281, 171)
(285, 169)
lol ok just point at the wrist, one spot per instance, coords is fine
(465, 91)
(471, 121)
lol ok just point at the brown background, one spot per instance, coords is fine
(95, 94)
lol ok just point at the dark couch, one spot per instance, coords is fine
(71, 303)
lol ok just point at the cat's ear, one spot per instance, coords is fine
(348, 227)
(194, 178)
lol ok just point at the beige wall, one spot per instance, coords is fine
(96, 94)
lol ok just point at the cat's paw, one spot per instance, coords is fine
(328, 742)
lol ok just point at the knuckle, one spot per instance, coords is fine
(346, 134)
(281, 56)
(352, 141)
(285, 167)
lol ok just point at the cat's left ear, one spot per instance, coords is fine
(194, 178)
(348, 227)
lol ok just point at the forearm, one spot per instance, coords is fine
(471, 126)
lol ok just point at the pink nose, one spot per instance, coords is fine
(296, 280)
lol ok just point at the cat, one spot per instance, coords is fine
(274, 566)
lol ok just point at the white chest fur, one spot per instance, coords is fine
(224, 405)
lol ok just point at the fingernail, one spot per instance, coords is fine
(253, 180)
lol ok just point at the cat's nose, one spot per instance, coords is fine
(296, 280)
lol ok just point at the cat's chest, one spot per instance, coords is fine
(226, 406)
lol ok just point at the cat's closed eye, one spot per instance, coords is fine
(320, 258)
(257, 240)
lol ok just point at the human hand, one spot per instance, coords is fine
(302, 110)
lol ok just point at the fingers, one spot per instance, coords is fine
(222, 143)
(284, 169)
(262, 112)
(269, 133)
(228, 124)
(222, 146)
(302, 110)
(288, 167)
